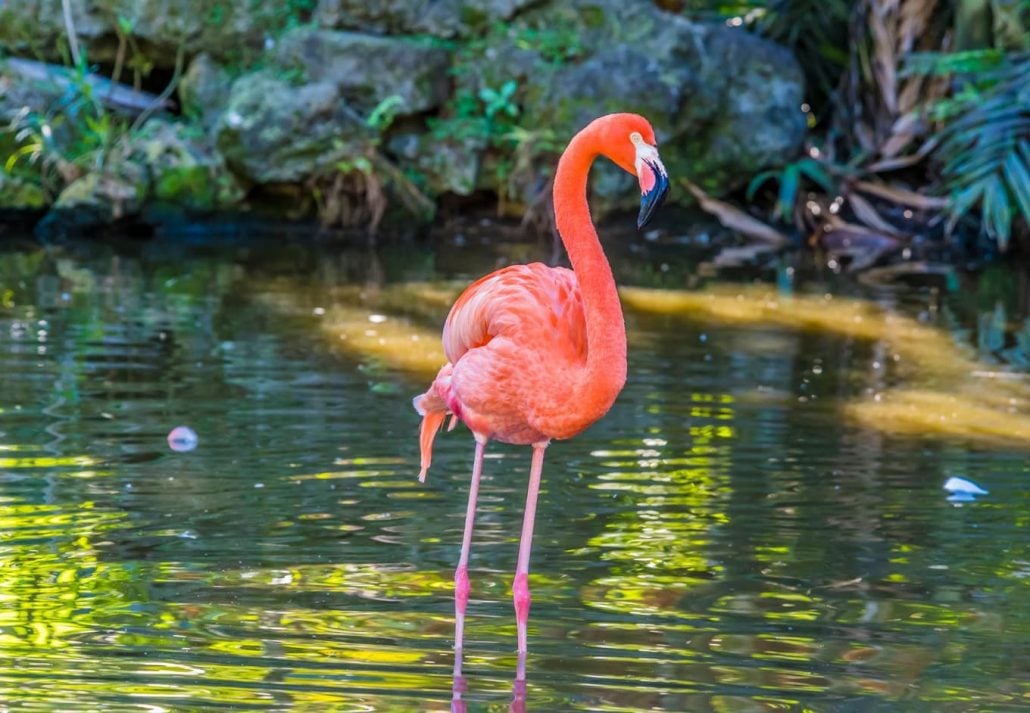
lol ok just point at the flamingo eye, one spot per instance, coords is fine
(636, 138)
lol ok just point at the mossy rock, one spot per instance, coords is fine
(95, 201)
(368, 69)
(20, 194)
(204, 90)
(233, 30)
(725, 104)
(438, 18)
(184, 168)
(448, 164)
(274, 132)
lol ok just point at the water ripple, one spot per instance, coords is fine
(723, 540)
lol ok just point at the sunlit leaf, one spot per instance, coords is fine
(941, 63)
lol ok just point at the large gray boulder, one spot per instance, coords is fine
(449, 164)
(440, 18)
(204, 90)
(227, 28)
(275, 132)
(368, 69)
(725, 104)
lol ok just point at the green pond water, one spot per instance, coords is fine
(726, 539)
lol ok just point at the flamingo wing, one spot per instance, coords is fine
(534, 305)
(516, 338)
(512, 340)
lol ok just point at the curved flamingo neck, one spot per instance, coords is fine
(605, 328)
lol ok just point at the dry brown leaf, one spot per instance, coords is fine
(865, 137)
(911, 95)
(887, 274)
(901, 196)
(884, 59)
(892, 164)
(914, 17)
(863, 245)
(905, 129)
(866, 213)
(736, 219)
(742, 255)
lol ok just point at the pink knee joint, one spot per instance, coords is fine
(461, 588)
(520, 590)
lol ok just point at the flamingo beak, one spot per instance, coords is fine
(654, 186)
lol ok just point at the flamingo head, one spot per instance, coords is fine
(629, 141)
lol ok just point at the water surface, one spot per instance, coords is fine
(727, 539)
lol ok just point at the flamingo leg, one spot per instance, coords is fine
(520, 588)
(461, 574)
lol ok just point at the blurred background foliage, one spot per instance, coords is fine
(918, 115)
(927, 95)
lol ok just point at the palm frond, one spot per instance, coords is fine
(984, 152)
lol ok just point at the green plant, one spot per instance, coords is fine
(499, 101)
(483, 117)
(356, 190)
(983, 147)
(72, 137)
(790, 178)
(383, 114)
(555, 44)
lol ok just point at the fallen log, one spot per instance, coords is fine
(115, 95)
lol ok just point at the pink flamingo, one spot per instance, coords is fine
(537, 353)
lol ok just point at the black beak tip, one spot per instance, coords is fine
(650, 201)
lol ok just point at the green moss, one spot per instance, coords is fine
(187, 185)
(21, 194)
(593, 17)
(17, 32)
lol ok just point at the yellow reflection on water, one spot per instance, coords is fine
(941, 389)
(992, 413)
(47, 462)
(70, 621)
(369, 581)
(395, 341)
(49, 592)
(397, 326)
(374, 325)
(946, 392)
(678, 493)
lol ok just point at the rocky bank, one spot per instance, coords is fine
(360, 112)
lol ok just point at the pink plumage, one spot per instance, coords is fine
(537, 353)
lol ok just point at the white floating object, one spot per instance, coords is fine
(182, 439)
(961, 486)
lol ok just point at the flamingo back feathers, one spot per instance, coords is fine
(534, 304)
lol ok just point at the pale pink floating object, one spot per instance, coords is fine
(182, 439)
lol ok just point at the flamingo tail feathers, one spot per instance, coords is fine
(431, 422)
(433, 409)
